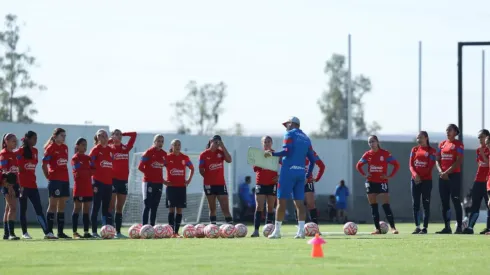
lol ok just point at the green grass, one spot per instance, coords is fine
(361, 254)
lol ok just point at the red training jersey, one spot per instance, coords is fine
(448, 152)
(8, 162)
(265, 176)
(377, 165)
(214, 167)
(27, 168)
(56, 157)
(82, 175)
(101, 160)
(120, 162)
(483, 168)
(319, 163)
(422, 160)
(151, 165)
(176, 165)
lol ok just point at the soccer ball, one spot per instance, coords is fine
(188, 231)
(211, 231)
(200, 230)
(168, 231)
(107, 232)
(268, 228)
(350, 228)
(147, 232)
(228, 231)
(383, 227)
(159, 230)
(221, 229)
(134, 231)
(311, 229)
(240, 230)
(464, 225)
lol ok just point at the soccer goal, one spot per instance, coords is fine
(197, 210)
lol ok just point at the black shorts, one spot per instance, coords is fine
(83, 199)
(176, 197)
(376, 188)
(152, 191)
(268, 190)
(119, 187)
(310, 187)
(58, 189)
(16, 187)
(216, 190)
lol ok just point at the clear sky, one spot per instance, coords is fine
(121, 63)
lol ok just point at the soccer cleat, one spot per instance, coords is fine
(484, 231)
(26, 236)
(87, 235)
(417, 231)
(120, 236)
(376, 232)
(394, 231)
(76, 236)
(95, 235)
(459, 230)
(300, 235)
(13, 238)
(50, 236)
(274, 235)
(446, 230)
(423, 231)
(5, 237)
(63, 236)
(255, 234)
(468, 231)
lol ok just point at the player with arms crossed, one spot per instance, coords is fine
(377, 160)
(120, 170)
(151, 165)
(310, 187)
(449, 158)
(479, 192)
(265, 190)
(10, 190)
(176, 191)
(422, 161)
(296, 147)
(212, 169)
(27, 160)
(55, 169)
(82, 189)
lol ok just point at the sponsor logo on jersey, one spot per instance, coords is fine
(215, 166)
(121, 156)
(419, 163)
(376, 169)
(61, 162)
(177, 172)
(105, 164)
(30, 166)
(157, 165)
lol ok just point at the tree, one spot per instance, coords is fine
(236, 130)
(333, 102)
(14, 67)
(200, 109)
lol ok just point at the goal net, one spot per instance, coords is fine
(197, 210)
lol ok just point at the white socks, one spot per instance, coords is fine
(301, 226)
(277, 227)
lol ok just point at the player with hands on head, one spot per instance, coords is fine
(212, 169)
(377, 160)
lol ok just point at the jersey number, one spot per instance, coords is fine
(384, 186)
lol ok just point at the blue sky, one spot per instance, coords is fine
(121, 63)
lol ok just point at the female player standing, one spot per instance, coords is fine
(176, 191)
(151, 165)
(82, 189)
(310, 187)
(120, 169)
(10, 190)
(212, 169)
(265, 190)
(449, 158)
(101, 160)
(479, 192)
(377, 160)
(56, 171)
(27, 159)
(422, 161)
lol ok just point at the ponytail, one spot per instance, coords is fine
(208, 145)
(25, 144)
(170, 150)
(96, 140)
(4, 141)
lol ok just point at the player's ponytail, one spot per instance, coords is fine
(96, 140)
(208, 145)
(25, 144)
(78, 142)
(4, 140)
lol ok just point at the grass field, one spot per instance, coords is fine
(361, 254)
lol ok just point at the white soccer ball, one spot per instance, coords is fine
(107, 232)
(147, 232)
(383, 227)
(240, 230)
(268, 229)
(159, 230)
(228, 231)
(464, 225)
(350, 228)
(311, 229)
(188, 231)
(199, 230)
(168, 231)
(211, 231)
(134, 231)
(221, 227)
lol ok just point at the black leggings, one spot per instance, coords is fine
(478, 193)
(151, 198)
(450, 190)
(423, 189)
(102, 196)
(31, 194)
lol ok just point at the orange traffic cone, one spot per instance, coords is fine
(317, 250)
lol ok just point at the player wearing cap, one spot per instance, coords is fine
(296, 147)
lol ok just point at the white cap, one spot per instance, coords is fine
(292, 119)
